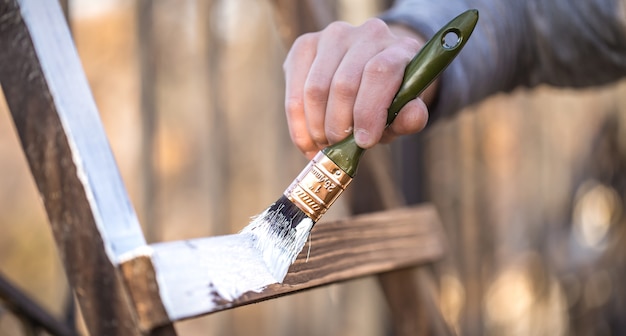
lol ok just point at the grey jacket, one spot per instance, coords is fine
(523, 43)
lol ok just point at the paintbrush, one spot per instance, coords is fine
(281, 230)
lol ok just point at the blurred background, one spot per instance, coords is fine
(530, 186)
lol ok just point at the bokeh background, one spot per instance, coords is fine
(529, 185)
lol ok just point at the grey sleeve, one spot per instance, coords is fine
(523, 43)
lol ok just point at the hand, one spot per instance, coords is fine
(342, 80)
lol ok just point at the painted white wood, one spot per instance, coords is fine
(206, 275)
(203, 275)
(96, 168)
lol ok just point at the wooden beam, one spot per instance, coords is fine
(339, 251)
(412, 307)
(70, 159)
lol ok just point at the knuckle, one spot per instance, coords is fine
(315, 91)
(303, 44)
(375, 27)
(294, 105)
(344, 87)
(306, 41)
(380, 66)
(337, 28)
(319, 137)
(409, 43)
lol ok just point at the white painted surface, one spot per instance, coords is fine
(95, 166)
(195, 274)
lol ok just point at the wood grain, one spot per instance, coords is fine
(340, 250)
(365, 245)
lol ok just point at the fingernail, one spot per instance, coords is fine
(362, 138)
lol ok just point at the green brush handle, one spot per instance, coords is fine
(423, 69)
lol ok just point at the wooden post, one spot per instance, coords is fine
(413, 309)
(70, 159)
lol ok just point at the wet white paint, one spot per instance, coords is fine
(207, 274)
(199, 275)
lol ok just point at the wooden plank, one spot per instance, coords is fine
(70, 159)
(339, 251)
(42, 61)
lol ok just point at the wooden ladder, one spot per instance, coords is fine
(121, 287)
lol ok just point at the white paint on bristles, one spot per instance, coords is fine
(279, 242)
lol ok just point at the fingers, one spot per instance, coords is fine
(317, 86)
(366, 42)
(381, 80)
(296, 65)
(343, 79)
(411, 119)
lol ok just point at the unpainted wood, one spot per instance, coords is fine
(140, 279)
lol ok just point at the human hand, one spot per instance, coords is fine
(342, 80)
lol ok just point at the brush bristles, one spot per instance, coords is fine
(281, 232)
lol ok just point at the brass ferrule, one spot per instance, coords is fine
(318, 186)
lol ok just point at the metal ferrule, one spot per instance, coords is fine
(318, 186)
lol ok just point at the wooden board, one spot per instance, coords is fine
(340, 250)
(70, 159)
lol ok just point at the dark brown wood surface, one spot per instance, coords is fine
(360, 246)
(367, 244)
(70, 159)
